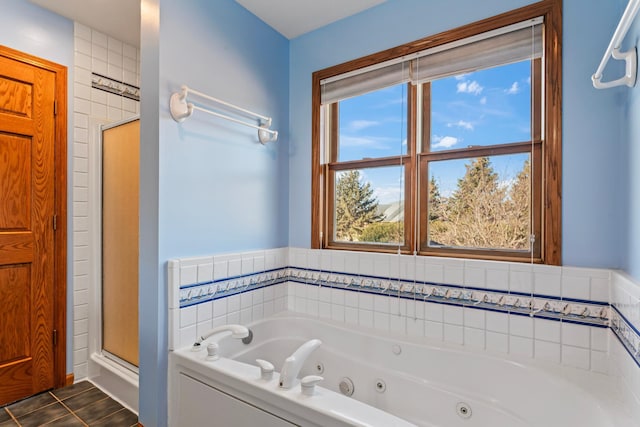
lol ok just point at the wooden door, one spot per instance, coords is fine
(28, 276)
(120, 200)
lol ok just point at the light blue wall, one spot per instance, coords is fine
(631, 183)
(592, 139)
(221, 190)
(208, 185)
(36, 31)
(591, 135)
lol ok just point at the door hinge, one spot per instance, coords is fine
(55, 337)
(55, 108)
(55, 222)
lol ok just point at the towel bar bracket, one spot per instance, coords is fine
(613, 51)
(179, 107)
(631, 70)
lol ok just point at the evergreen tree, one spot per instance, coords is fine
(435, 200)
(520, 207)
(476, 211)
(482, 213)
(437, 211)
(478, 179)
(356, 206)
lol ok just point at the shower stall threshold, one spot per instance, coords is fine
(117, 380)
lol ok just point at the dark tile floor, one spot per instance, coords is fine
(80, 404)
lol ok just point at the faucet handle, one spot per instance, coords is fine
(212, 351)
(266, 369)
(308, 384)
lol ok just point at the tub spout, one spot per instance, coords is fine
(237, 331)
(293, 364)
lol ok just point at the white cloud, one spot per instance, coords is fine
(529, 80)
(514, 89)
(472, 87)
(461, 76)
(444, 141)
(483, 100)
(357, 125)
(461, 124)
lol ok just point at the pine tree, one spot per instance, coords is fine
(435, 200)
(479, 179)
(437, 210)
(520, 203)
(476, 212)
(356, 206)
(482, 212)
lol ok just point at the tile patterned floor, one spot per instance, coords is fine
(80, 404)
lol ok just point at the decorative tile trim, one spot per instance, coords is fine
(199, 293)
(590, 313)
(117, 87)
(627, 334)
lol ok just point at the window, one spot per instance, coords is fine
(447, 146)
(369, 173)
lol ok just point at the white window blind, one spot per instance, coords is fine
(358, 83)
(502, 46)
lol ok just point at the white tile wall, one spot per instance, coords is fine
(186, 324)
(625, 296)
(574, 345)
(94, 52)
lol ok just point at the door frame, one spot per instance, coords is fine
(60, 209)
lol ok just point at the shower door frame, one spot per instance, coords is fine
(97, 354)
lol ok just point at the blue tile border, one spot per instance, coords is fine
(626, 333)
(583, 312)
(198, 293)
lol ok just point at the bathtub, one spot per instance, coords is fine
(391, 382)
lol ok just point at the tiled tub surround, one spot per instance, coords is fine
(224, 289)
(625, 313)
(553, 314)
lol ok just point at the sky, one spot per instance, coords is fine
(486, 107)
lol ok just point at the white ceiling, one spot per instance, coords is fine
(118, 18)
(121, 18)
(292, 18)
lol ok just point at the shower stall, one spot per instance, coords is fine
(113, 307)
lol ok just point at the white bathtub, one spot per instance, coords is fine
(396, 383)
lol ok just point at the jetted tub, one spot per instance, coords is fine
(392, 382)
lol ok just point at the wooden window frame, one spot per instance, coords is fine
(547, 143)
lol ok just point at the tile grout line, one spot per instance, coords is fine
(69, 409)
(113, 413)
(6, 408)
(30, 412)
(76, 394)
(96, 401)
